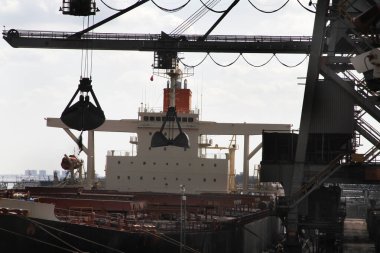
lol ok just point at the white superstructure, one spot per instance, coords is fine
(163, 169)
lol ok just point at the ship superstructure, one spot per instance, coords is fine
(165, 168)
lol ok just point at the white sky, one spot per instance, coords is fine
(38, 83)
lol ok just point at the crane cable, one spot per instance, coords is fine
(36, 240)
(226, 65)
(268, 12)
(59, 239)
(258, 66)
(194, 17)
(196, 65)
(86, 58)
(110, 7)
(210, 9)
(304, 7)
(171, 10)
(245, 59)
(73, 235)
(291, 66)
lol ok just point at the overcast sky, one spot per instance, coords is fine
(38, 83)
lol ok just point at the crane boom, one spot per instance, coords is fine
(155, 42)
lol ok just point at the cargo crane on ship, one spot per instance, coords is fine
(324, 151)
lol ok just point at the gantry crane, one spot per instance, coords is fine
(335, 98)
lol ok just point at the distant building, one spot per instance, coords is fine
(31, 173)
(57, 172)
(42, 173)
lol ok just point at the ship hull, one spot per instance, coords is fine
(21, 234)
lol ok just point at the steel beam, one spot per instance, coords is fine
(154, 42)
(311, 82)
(363, 102)
(246, 164)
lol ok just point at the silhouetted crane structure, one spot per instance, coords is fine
(336, 102)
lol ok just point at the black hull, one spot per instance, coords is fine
(20, 234)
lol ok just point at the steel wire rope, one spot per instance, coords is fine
(92, 50)
(82, 52)
(210, 9)
(171, 240)
(170, 10)
(290, 66)
(268, 12)
(59, 239)
(257, 66)
(227, 65)
(196, 65)
(35, 239)
(160, 236)
(194, 17)
(84, 56)
(110, 7)
(197, 15)
(305, 7)
(76, 236)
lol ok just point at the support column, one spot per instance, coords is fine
(91, 158)
(246, 164)
(293, 244)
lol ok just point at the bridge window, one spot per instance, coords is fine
(191, 119)
(158, 118)
(184, 119)
(146, 118)
(151, 118)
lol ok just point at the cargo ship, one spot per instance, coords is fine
(169, 195)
